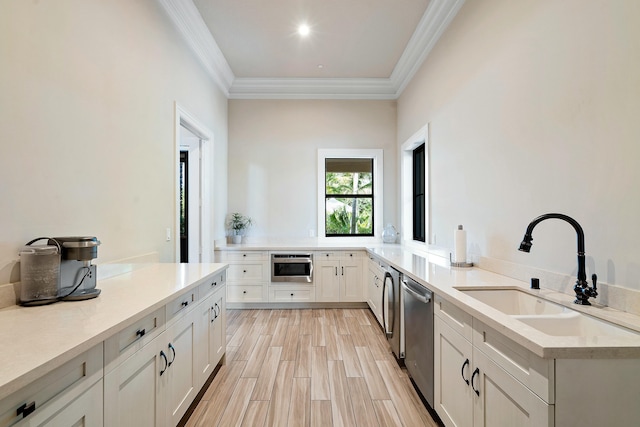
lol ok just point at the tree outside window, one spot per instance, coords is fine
(349, 197)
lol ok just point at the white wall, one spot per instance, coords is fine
(273, 148)
(87, 92)
(533, 107)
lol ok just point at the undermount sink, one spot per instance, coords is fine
(574, 324)
(515, 301)
(545, 316)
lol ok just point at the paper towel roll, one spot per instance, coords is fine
(460, 244)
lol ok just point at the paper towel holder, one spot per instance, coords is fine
(458, 264)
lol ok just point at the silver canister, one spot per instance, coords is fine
(39, 273)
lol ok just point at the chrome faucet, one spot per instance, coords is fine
(582, 289)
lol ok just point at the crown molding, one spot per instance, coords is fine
(432, 25)
(190, 24)
(187, 19)
(312, 88)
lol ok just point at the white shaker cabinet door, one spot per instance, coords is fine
(503, 401)
(134, 391)
(453, 397)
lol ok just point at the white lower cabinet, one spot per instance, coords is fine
(155, 385)
(211, 336)
(338, 276)
(182, 376)
(85, 410)
(473, 389)
(70, 395)
(375, 279)
(134, 391)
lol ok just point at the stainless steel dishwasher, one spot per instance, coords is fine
(418, 329)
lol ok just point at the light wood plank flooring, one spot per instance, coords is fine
(320, 367)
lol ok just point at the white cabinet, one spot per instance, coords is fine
(152, 381)
(473, 389)
(292, 293)
(248, 276)
(374, 282)
(338, 276)
(69, 394)
(84, 410)
(134, 391)
(182, 376)
(211, 335)
(156, 385)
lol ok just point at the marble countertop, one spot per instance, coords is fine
(39, 339)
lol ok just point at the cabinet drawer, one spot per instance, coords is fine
(533, 371)
(338, 255)
(248, 293)
(131, 339)
(246, 272)
(319, 256)
(212, 284)
(234, 256)
(65, 382)
(459, 320)
(182, 304)
(292, 295)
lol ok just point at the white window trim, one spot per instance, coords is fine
(378, 179)
(406, 189)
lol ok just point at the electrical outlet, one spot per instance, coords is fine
(168, 234)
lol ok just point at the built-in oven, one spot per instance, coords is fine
(292, 267)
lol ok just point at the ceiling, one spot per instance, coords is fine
(357, 49)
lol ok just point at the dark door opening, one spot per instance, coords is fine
(184, 203)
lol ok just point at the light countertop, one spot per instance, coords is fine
(434, 272)
(37, 340)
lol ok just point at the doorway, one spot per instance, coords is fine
(192, 183)
(190, 196)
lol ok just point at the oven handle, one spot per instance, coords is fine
(292, 260)
(425, 299)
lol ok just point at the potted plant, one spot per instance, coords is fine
(238, 223)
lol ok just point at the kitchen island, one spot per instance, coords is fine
(67, 348)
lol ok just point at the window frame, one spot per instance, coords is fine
(376, 155)
(406, 189)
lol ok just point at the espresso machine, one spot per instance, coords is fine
(77, 274)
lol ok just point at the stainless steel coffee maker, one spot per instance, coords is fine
(77, 274)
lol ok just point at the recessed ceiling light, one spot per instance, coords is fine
(320, 66)
(304, 30)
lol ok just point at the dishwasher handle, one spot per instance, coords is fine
(423, 298)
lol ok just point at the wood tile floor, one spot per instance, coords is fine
(320, 367)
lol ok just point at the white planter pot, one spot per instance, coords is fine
(236, 239)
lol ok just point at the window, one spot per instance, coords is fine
(419, 194)
(414, 188)
(349, 197)
(348, 200)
